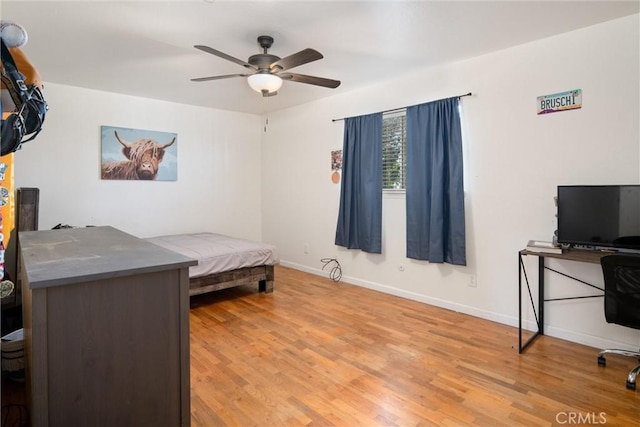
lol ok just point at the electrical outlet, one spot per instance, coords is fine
(401, 267)
(306, 248)
(473, 281)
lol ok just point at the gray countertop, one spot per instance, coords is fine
(75, 255)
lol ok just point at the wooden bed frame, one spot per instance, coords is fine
(262, 275)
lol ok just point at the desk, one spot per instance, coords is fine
(592, 257)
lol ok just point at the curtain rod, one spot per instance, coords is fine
(404, 108)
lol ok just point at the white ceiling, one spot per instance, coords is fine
(145, 48)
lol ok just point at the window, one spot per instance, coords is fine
(394, 151)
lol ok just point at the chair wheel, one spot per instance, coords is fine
(631, 386)
(602, 361)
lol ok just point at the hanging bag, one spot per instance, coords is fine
(30, 106)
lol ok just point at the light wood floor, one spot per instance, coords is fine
(320, 353)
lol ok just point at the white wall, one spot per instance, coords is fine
(514, 160)
(219, 167)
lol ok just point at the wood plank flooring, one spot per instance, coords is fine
(320, 353)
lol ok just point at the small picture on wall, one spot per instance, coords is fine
(336, 160)
(134, 154)
(336, 165)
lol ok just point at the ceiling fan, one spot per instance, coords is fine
(268, 70)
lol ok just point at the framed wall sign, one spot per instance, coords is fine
(562, 101)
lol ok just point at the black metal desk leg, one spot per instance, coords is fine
(541, 295)
(519, 302)
(539, 319)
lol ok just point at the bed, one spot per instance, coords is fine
(223, 261)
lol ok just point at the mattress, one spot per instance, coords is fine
(217, 253)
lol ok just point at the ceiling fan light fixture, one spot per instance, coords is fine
(264, 81)
(266, 68)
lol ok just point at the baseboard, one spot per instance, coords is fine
(460, 308)
(589, 340)
(529, 325)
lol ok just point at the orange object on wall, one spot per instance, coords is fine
(31, 74)
(7, 197)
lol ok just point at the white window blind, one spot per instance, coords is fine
(394, 151)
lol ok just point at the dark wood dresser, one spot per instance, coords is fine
(106, 319)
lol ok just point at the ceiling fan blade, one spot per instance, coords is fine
(226, 76)
(223, 55)
(302, 57)
(312, 80)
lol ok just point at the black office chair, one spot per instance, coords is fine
(622, 302)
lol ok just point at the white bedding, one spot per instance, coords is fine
(217, 253)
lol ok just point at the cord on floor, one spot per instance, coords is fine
(335, 272)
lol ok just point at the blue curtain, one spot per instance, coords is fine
(434, 188)
(360, 215)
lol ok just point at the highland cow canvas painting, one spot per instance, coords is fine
(133, 154)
